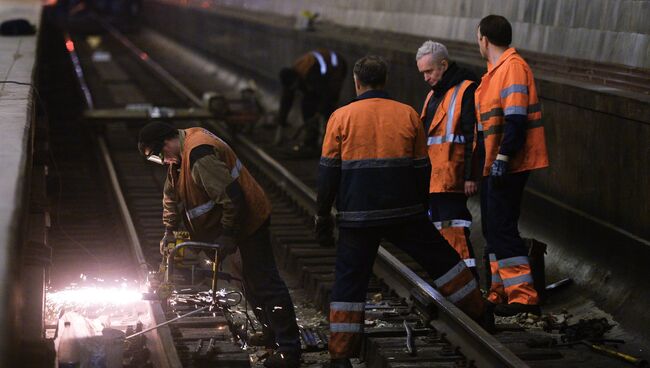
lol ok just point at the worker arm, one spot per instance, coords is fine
(514, 99)
(170, 201)
(468, 127)
(329, 168)
(421, 163)
(211, 173)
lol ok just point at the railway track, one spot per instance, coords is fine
(409, 324)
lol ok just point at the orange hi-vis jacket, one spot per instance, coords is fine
(508, 88)
(374, 163)
(202, 212)
(446, 142)
(327, 61)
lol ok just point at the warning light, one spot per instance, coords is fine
(69, 45)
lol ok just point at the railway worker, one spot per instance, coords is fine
(509, 116)
(449, 122)
(374, 164)
(319, 76)
(220, 202)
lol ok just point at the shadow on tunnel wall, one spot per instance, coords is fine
(592, 206)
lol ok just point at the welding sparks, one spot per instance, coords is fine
(93, 299)
(91, 295)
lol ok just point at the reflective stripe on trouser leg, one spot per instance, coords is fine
(497, 294)
(518, 280)
(459, 286)
(457, 237)
(346, 329)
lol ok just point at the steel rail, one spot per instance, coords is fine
(475, 343)
(159, 339)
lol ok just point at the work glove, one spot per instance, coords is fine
(167, 238)
(498, 172)
(324, 230)
(228, 245)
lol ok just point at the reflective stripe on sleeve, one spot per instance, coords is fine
(234, 173)
(515, 110)
(515, 88)
(200, 210)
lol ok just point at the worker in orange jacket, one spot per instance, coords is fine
(319, 76)
(374, 165)
(220, 202)
(449, 121)
(510, 124)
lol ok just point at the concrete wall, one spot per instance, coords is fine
(17, 56)
(614, 31)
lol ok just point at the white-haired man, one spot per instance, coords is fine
(449, 120)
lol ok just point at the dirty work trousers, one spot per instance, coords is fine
(356, 252)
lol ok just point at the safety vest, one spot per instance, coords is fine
(446, 142)
(508, 88)
(327, 61)
(201, 211)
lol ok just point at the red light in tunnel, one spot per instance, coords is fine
(205, 4)
(69, 45)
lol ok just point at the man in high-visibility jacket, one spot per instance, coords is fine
(319, 76)
(510, 121)
(449, 122)
(374, 164)
(220, 202)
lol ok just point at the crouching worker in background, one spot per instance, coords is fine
(224, 204)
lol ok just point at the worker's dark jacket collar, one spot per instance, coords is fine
(373, 93)
(452, 76)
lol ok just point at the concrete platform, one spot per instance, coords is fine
(17, 63)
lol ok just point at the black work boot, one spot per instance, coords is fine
(340, 363)
(282, 360)
(507, 310)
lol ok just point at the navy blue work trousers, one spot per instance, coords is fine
(500, 209)
(357, 249)
(267, 292)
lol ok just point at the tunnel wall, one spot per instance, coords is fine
(597, 140)
(614, 31)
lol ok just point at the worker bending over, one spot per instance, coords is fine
(319, 76)
(220, 202)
